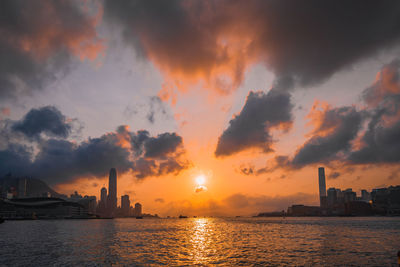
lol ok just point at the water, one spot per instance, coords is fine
(201, 241)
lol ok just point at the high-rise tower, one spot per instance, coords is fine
(112, 192)
(322, 187)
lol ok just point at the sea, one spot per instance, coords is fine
(307, 241)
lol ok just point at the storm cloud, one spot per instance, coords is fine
(48, 120)
(251, 127)
(342, 124)
(61, 160)
(37, 41)
(305, 42)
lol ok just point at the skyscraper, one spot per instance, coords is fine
(103, 195)
(322, 187)
(112, 192)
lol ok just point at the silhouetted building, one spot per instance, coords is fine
(386, 201)
(89, 203)
(322, 187)
(349, 195)
(41, 208)
(112, 193)
(138, 210)
(103, 195)
(301, 210)
(332, 197)
(125, 205)
(365, 195)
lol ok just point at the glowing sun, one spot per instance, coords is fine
(200, 180)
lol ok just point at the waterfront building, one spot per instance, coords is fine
(332, 197)
(89, 203)
(125, 205)
(322, 187)
(365, 195)
(112, 193)
(349, 195)
(138, 210)
(103, 195)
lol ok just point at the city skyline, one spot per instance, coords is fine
(201, 107)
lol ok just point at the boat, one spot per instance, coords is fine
(139, 217)
(1, 220)
(182, 217)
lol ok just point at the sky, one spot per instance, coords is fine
(250, 96)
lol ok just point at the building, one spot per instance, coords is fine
(349, 195)
(89, 203)
(102, 205)
(103, 195)
(125, 205)
(332, 198)
(301, 210)
(41, 208)
(138, 210)
(322, 187)
(365, 195)
(112, 193)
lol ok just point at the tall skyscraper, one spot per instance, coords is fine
(322, 187)
(112, 192)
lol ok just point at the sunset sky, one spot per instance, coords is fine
(252, 96)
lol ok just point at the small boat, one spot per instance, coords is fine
(182, 217)
(2, 220)
(139, 217)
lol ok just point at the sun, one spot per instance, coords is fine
(200, 180)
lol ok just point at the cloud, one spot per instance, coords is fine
(215, 41)
(48, 120)
(351, 136)
(339, 126)
(334, 175)
(38, 40)
(60, 160)
(380, 142)
(251, 127)
(200, 188)
(162, 145)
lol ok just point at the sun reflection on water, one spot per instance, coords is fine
(201, 239)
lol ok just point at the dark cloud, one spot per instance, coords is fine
(302, 42)
(334, 175)
(60, 160)
(37, 41)
(343, 125)
(251, 127)
(162, 145)
(340, 137)
(380, 143)
(48, 120)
